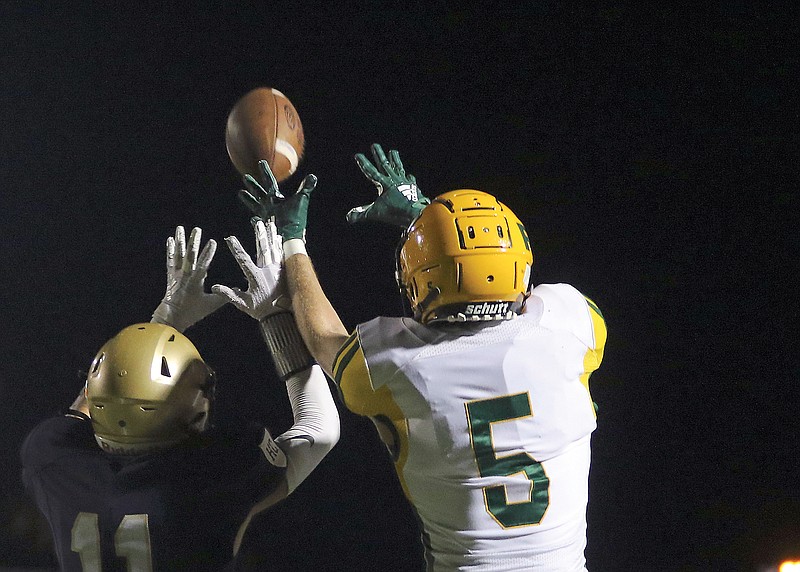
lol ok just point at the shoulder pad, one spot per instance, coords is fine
(564, 308)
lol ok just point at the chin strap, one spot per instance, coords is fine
(77, 414)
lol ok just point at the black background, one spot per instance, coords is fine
(648, 149)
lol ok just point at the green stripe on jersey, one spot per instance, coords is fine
(345, 354)
(594, 307)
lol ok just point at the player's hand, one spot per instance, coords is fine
(267, 201)
(266, 293)
(399, 199)
(185, 301)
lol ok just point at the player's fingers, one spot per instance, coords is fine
(232, 294)
(307, 185)
(357, 214)
(207, 255)
(242, 259)
(180, 246)
(274, 251)
(235, 246)
(269, 179)
(192, 249)
(380, 158)
(250, 202)
(368, 169)
(170, 253)
(263, 251)
(255, 188)
(397, 164)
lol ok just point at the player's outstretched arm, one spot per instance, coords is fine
(185, 301)
(316, 421)
(399, 199)
(318, 322)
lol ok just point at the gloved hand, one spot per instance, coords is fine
(399, 199)
(185, 301)
(266, 293)
(290, 213)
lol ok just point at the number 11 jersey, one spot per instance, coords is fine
(177, 509)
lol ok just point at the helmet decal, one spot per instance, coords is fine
(524, 236)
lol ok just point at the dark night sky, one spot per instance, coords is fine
(646, 148)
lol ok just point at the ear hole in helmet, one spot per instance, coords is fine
(165, 367)
(499, 231)
(490, 278)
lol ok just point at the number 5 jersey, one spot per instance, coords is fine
(489, 427)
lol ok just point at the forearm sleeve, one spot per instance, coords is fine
(316, 424)
(285, 343)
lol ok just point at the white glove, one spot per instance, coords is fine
(266, 293)
(185, 301)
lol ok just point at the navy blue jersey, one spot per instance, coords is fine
(179, 509)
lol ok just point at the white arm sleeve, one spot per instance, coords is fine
(316, 424)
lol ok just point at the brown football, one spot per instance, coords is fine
(264, 124)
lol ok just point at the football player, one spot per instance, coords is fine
(482, 398)
(136, 476)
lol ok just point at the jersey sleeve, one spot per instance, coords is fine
(599, 334)
(352, 378)
(565, 308)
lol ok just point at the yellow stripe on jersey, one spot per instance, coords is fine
(344, 355)
(593, 357)
(600, 332)
(351, 374)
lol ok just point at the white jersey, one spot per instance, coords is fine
(489, 425)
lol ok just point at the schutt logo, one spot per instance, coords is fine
(486, 308)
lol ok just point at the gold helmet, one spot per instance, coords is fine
(147, 389)
(467, 257)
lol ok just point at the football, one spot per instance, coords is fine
(264, 124)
